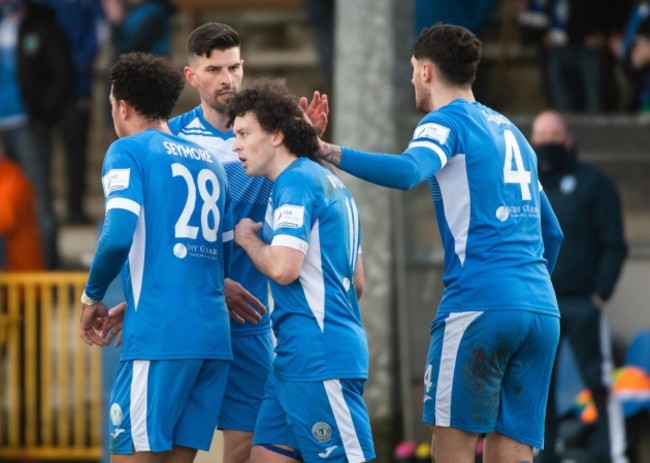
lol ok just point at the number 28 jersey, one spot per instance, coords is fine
(173, 278)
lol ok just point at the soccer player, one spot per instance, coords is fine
(168, 229)
(215, 68)
(496, 331)
(313, 408)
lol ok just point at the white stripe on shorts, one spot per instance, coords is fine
(138, 408)
(344, 422)
(455, 326)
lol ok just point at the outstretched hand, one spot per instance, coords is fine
(317, 111)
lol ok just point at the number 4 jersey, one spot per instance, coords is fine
(494, 220)
(487, 200)
(174, 276)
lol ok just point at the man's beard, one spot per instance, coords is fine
(220, 106)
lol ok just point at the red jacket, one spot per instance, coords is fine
(18, 221)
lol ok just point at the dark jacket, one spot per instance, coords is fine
(587, 205)
(45, 69)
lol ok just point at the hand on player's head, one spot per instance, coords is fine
(316, 111)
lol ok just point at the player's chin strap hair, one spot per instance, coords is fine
(295, 454)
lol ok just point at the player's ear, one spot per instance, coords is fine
(277, 139)
(190, 76)
(428, 71)
(125, 109)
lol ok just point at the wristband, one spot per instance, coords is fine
(86, 300)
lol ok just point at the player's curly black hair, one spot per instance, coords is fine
(453, 49)
(276, 109)
(147, 82)
(211, 36)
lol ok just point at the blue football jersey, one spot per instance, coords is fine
(173, 278)
(250, 196)
(487, 201)
(316, 319)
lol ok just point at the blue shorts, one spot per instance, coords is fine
(251, 366)
(490, 371)
(323, 420)
(158, 404)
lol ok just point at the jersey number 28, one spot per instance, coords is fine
(183, 229)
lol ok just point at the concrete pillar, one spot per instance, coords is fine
(373, 40)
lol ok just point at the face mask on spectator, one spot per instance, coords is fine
(554, 158)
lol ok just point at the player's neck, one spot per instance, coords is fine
(282, 159)
(216, 119)
(142, 124)
(442, 96)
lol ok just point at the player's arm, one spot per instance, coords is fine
(403, 172)
(280, 263)
(551, 232)
(111, 254)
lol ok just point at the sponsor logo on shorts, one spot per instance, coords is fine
(321, 431)
(327, 451)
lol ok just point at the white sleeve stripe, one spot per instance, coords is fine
(433, 147)
(228, 236)
(290, 242)
(541, 188)
(123, 203)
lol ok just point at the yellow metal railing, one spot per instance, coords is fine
(50, 381)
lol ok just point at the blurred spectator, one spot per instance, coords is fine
(589, 264)
(321, 16)
(79, 20)
(21, 250)
(577, 58)
(634, 52)
(137, 25)
(472, 14)
(36, 77)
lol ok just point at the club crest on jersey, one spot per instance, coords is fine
(288, 216)
(115, 180)
(433, 131)
(321, 431)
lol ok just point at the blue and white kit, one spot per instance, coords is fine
(321, 359)
(500, 238)
(252, 344)
(168, 228)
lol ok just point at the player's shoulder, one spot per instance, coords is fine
(129, 144)
(190, 122)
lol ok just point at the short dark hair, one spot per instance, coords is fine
(454, 50)
(147, 82)
(277, 110)
(211, 36)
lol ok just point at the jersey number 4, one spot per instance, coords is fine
(183, 229)
(519, 174)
